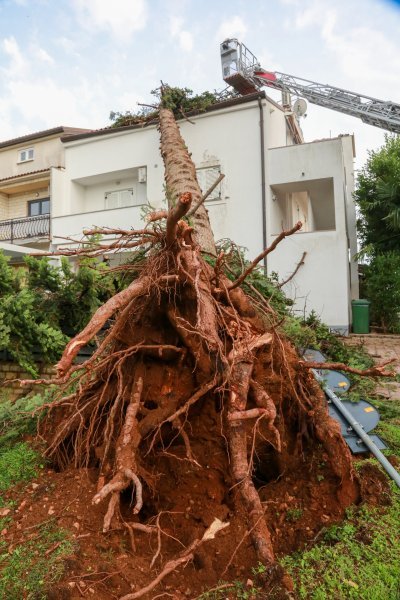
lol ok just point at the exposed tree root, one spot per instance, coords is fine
(185, 557)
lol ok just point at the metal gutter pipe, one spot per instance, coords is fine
(353, 424)
(263, 192)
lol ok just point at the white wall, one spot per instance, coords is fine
(229, 137)
(322, 283)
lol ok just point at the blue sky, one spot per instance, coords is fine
(70, 62)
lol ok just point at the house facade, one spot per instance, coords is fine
(110, 177)
(26, 164)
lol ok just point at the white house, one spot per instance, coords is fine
(270, 183)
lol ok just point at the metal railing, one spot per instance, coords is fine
(28, 227)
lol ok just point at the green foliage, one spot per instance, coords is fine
(69, 297)
(18, 463)
(389, 425)
(382, 288)
(27, 571)
(378, 198)
(312, 333)
(256, 282)
(356, 560)
(22, 331)
(180, 100)
(293, 514)
(43, 304)
(18, 418)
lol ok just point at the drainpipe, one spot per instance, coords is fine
(263, 192)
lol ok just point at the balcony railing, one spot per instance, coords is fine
(28, 227)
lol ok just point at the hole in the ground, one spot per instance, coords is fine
(150, 405)
(266, 466)
(127, 501)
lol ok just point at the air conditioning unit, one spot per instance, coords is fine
(142, 174)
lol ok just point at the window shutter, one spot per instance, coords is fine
(121, 199)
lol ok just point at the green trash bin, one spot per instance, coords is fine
(360, 312)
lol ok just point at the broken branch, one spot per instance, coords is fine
(206, 195)
(375, 371)
(299, 264)
(176, 213)
(263, 254)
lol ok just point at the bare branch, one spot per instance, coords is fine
(375, 371)
(117, 231)
(299, 264)
(157, 216)
(205, 196)
(259, 258)
(98, 249)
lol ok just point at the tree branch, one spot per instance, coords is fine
(205, 196)
(176, 213)
(301, 262)
(259, 258)
(375, 371)
(157, 216)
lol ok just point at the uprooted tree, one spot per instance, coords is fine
(189, 372)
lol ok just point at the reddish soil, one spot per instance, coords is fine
(297, 487)
(105, 566)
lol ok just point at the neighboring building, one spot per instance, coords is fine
(270, 182)
(26, 165)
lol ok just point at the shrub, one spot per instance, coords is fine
(382, 284)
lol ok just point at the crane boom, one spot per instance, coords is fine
(241, 70)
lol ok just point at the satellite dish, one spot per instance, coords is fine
(300, 107)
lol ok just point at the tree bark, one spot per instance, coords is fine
(180, 178)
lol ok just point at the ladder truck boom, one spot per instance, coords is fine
(242, 70)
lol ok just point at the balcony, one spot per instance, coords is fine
(25, 228)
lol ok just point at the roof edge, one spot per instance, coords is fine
(214, 107)
(41, 134)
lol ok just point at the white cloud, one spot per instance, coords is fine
(364, 54)
(42, 55)
(11, 48)
(184, 37)
(28, 99)
(121, 18)
(128, 101)
(234, 27)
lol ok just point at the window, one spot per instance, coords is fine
(206, 177)
(25, 155)
(39, 207)
(121, 198)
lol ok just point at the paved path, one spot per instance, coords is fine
(381, 348)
